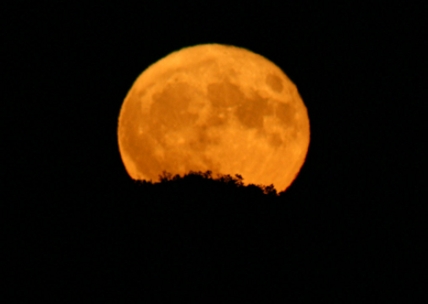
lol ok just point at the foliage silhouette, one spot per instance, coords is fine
(236, 181)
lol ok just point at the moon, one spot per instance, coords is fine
(214, 107)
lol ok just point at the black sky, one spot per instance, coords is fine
(357, 68)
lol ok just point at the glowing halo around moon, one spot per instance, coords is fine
(214, 107)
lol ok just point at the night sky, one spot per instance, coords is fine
(353, 217)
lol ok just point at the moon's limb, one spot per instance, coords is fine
(217, 108)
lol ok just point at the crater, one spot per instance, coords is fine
(250, 113)
(218, 118)
(224, 95)
(201, 139)
(274, 82)
(170, 108)
(142, 153)
(285, 113)
(275, 140)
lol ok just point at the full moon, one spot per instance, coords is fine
(214, 107)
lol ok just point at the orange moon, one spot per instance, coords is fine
(214, 107)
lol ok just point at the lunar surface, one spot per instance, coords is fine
(214, 107)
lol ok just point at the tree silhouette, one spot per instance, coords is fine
(236, 181)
